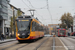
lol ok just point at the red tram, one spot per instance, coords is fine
(61, 32)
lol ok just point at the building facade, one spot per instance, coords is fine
(52, 28)
(3, 14)
(74, 24)
(6, 12)
(16, 12)
(7, 22)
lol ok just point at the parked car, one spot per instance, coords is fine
(73, 34)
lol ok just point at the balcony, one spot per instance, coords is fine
(3, 15)
(4, 10)
(5, 4)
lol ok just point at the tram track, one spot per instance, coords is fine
(41, 43)
(22, 46)
(18, 44)
(46, 43)
(8, 47)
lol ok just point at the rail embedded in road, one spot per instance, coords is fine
(41, 43)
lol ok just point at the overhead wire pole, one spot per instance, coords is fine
(14, 22)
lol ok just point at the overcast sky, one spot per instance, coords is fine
(56, 9)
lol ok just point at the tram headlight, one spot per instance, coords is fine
(18, 34)
(28, 33)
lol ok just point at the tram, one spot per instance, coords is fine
(28, 28)
(61, 32)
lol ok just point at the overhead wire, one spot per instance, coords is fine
(49, 11)
(38, 8)
(25, 4)
(30, 3)
(35, 7)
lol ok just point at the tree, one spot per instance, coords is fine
(67, 20)
(11, 24)
(19, 13)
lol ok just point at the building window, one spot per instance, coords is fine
(0, 6)
(4, 1)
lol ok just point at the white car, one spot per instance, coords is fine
(48, 35)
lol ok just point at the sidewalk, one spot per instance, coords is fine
(7, 40)
(72, 37)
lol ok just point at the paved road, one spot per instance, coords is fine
(46, 43)
(8, 43)
(69, 42)
(58, 44)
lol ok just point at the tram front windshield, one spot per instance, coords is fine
(62, 32)
(23, 25)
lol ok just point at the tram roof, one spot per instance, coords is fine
(26, 17)
(61, 28)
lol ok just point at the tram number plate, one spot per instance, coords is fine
(23, 37)
(23, 34)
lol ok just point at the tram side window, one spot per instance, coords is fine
(37, 27)
(33, 26)
(40, 28)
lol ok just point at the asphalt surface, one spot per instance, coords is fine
(69, 42)
(45, 43)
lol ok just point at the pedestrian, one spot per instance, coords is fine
(68, 32)
(2, 37)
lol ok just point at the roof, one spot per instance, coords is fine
(16, 8)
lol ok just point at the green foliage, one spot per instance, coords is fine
(19, 13)
(67, 20)
(11, 24)
(12, 21)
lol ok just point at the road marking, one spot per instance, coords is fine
(53, 43)
(63, 44)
